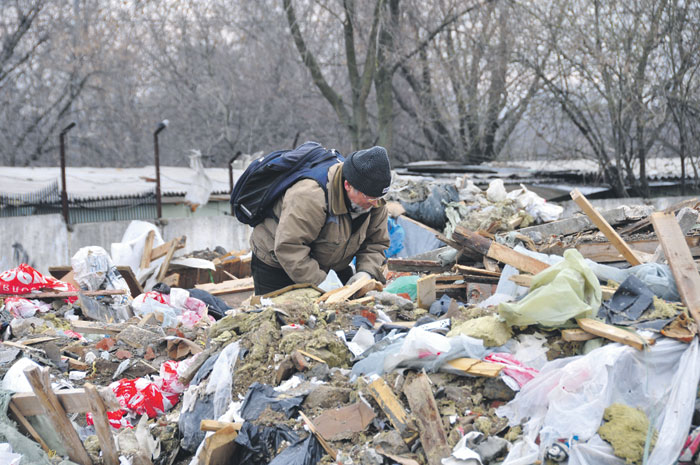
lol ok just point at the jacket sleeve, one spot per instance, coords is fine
(370, 257)
(302, 217)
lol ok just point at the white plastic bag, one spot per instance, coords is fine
(90, 265)
(331, 282)
(129, 251)
(418, 344)
(496, 191)
(221, 379)
(201, 186)
(569, 396)
(15, 380)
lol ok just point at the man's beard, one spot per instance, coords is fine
(357, 209)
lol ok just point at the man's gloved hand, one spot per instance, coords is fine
(358, 276)
(331, 282)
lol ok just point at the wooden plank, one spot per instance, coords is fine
(228, 287)
(72, 401)
(471, 241)
(166, 263)
(60, 295)
(163, 249)
(362, 300)
(96, 327)
(219, 447)
(102, 427)
(39, 380)
(215, 425)
(392, 408)
(22, 420)
(432, 432)
(476, 367)
(38, 340)
(576, 335)
(347, 291)
(613, 333)
(319, 436)
(473, 270)
(172, 280)
(416, 266)
(425, 291)
(147, 250)
(679, 260)
(516, 259)
(605, 228)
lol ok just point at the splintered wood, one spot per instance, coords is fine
(392, 408)
(476, 243)
(432, 432)
(359, 287)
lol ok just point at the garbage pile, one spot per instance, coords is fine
(501, 354)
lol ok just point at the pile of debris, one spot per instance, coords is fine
(561, 342)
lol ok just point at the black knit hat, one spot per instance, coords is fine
(368, 171)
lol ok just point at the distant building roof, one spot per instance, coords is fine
(101, 183)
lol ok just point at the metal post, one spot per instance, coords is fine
(64, 191)
(162, 125)
(230, 175)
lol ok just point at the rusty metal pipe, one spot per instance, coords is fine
(162, 125)
(64, 191)
(230, 174)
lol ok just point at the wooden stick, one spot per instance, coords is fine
(39, 380)
(321, 439)
(28, 426)
(474, 366)
(166, 263)
(57, 295)
(576, 335)
(597, 219)
(163, 249)
(102, 426)
(146, 255)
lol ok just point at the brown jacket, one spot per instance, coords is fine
(307, 241)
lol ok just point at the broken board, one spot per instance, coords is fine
(630, 255)
(679, 260)
(432, 432)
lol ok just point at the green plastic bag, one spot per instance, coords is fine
(566, 290)
(404, 284)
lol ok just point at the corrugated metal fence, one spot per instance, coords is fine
(47, 200)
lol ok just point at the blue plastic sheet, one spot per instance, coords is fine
(396, 237)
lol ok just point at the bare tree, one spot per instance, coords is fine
(604, 77)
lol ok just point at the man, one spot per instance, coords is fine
(310, 235)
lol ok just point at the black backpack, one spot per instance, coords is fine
(268, 177)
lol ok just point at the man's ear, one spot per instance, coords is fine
(347, 185)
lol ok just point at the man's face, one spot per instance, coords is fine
(359, 199)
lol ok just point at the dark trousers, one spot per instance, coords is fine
(268, 278)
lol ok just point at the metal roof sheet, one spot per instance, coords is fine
(101, 183)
